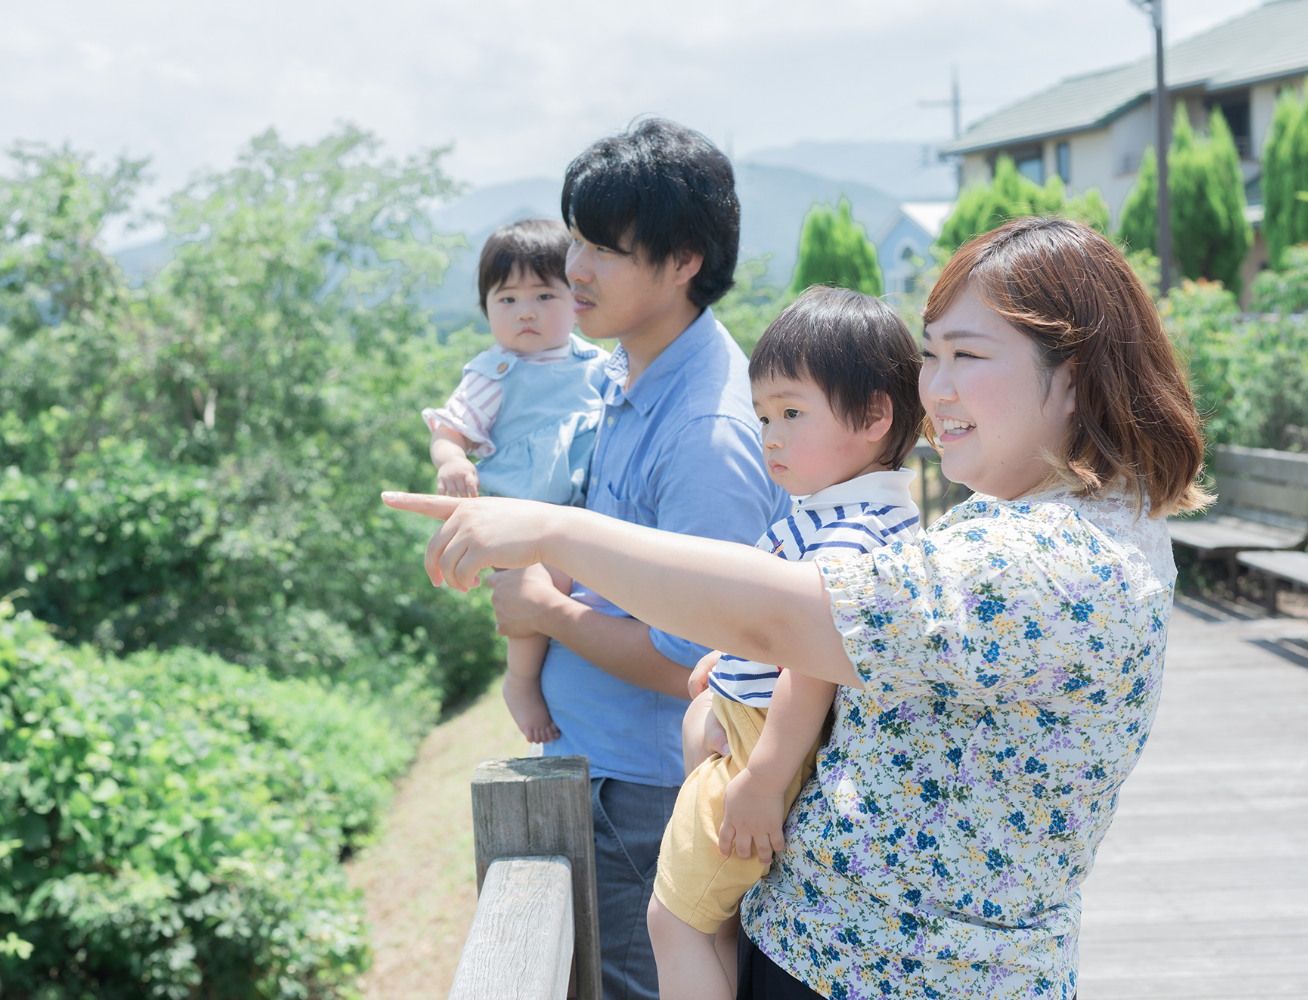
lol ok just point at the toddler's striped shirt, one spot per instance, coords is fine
(859, 515)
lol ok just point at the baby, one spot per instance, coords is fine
(528, 408)
(834, 381)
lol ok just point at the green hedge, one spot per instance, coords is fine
(171, 825)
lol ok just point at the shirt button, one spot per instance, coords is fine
(502, 367)
(610, 421)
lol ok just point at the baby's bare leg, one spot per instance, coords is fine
(522, 693)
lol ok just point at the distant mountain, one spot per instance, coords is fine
(908, 171)
(777, 187)
(774, 201)
(476, 216)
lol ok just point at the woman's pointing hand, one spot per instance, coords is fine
(477, 534)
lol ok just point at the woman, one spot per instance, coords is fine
(998, 680)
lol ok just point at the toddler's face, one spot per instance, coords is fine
(527, 313)
(806, 446)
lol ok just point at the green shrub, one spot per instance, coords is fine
(170, 824)
(1250, 376)
(1284, 291)
(750, 305)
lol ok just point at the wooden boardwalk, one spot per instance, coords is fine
(1201, 886)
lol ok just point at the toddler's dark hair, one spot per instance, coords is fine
(855, 348)
(536, 246)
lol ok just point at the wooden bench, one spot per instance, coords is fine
(1262, 503)
(1275, 567)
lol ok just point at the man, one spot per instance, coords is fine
(656, 226)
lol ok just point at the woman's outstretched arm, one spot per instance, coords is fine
(724, 595)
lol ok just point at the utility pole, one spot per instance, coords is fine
(955, 105)
(1154, 8)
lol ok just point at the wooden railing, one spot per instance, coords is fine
(535, 935)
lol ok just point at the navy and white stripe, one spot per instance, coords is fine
(857, 516)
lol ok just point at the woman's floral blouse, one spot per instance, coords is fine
(1013, 660)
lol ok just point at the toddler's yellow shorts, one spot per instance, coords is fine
(694, 881)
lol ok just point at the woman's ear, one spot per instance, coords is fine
(1062, 390)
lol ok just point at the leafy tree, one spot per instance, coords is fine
(1012, 195)
(196, 461)
(751, 304)
(1285, 177)
(835, 250)
(1210, 235)
(1137, 228)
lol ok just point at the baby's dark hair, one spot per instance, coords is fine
(856, 349)
(535, 246)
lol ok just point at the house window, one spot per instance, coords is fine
(1065, 162)
(1235, 109)
(1030, 161)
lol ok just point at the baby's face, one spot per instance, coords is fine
(806, 446)
(528, 313)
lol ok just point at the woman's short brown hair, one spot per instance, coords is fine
(1134, 426)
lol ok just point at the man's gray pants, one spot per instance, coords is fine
(629, 822)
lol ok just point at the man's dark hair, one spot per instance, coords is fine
(663, 189)
(856, 349)
(532, 246)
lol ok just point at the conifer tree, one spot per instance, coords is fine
(1012, 195)
(1211, 236)
(835, 250)
(1285, 178)
(1137, 229)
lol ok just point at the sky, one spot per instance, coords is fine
(518, 87)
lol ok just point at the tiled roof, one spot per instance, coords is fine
(1270, 41)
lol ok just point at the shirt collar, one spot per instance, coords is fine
(653, 381)
(874, 488)
(553, 354)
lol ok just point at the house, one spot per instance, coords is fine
(904, 241)
(1092, 130)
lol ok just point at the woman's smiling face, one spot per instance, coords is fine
(995, 412)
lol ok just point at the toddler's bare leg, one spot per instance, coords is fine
(725, 943)
(522, 689)
(522, 692)
(688, 961)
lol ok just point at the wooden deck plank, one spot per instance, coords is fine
(1200, 889)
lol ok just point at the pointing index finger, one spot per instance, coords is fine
(440, 508)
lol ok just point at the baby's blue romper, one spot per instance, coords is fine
(545, 431)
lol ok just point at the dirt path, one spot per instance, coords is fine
(418, 880)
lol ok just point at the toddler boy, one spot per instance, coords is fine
(834, 382)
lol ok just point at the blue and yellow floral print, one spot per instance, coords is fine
(1012, 664)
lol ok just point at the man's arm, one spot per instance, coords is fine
(526, 601)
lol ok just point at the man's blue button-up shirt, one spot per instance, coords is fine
(679, 451)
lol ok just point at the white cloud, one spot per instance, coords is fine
(520, 86)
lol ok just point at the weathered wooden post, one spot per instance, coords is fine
(520, 943)
(534, 806)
